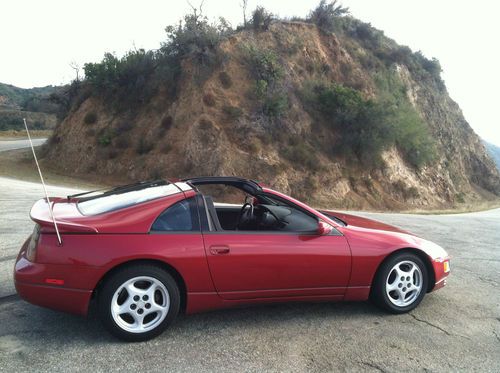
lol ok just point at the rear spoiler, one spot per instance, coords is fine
(40, 214)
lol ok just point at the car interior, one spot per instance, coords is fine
(232, 207)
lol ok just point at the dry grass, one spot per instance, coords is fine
(13, 134)
(19, 164)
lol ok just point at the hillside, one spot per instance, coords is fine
(335, 113)
(494, 152)
(33, 104)
(12, 97)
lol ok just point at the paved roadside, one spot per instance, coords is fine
(19, 144)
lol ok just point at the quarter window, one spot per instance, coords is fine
(180, 217)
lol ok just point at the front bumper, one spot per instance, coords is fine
(31, 286)
(441, 272)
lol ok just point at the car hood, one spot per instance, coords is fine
(358, 221)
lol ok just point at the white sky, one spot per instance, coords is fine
(38, 39)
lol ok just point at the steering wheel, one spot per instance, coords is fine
(246, 214)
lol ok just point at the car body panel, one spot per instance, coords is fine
(359, 221)
(261, 265)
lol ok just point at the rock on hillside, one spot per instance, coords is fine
(218, 124)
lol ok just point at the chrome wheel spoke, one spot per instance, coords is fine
(133, 290)
(124, 307)
(393, 286)
(138, 320)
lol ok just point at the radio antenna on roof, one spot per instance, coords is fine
(43, 183)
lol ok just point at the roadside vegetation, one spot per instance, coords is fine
(367, 127)
(267, 71)
(134, 78)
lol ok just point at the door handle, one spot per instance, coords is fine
(219, 250)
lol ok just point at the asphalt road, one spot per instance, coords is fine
(456, 328)
(19, 144)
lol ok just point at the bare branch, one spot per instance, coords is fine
(76, 67)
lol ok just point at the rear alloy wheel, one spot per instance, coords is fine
(137, 303)
(401, 283)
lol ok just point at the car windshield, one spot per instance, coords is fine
(124, 197)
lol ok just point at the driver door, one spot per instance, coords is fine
(265, 264)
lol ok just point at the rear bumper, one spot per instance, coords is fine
(74, 301)
(31, 279)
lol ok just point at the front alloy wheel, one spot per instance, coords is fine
(400, 283)
(138, 302)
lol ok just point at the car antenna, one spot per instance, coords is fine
(59, 240)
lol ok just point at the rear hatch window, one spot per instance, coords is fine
(122, 197)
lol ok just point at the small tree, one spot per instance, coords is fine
(195, 36)
(325, 13)
(261, 19)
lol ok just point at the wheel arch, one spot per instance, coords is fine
(421, 254)
(157, 262)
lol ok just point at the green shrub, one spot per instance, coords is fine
(326, 14)
(90, 118)
(275, 104)
(411, 133)
(104, 139)
(264, 64)
(261, 19)
(412, 136)
(367, 127)
(130, 80)
(267, 70)
(133, 79)
(232, 112)
(196, 37)
(13, 120)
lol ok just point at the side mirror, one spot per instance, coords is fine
(324, 228)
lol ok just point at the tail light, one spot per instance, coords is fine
(32, 245)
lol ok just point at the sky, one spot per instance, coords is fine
(40, 39)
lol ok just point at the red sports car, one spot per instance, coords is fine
(144, 252)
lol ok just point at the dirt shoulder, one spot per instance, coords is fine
(19, 164)
(16, 135)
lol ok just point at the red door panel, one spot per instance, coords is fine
(255, 265)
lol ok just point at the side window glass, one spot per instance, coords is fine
(180, 217)
(300, 222)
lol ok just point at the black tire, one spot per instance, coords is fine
(379, 293)
(120, 277)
